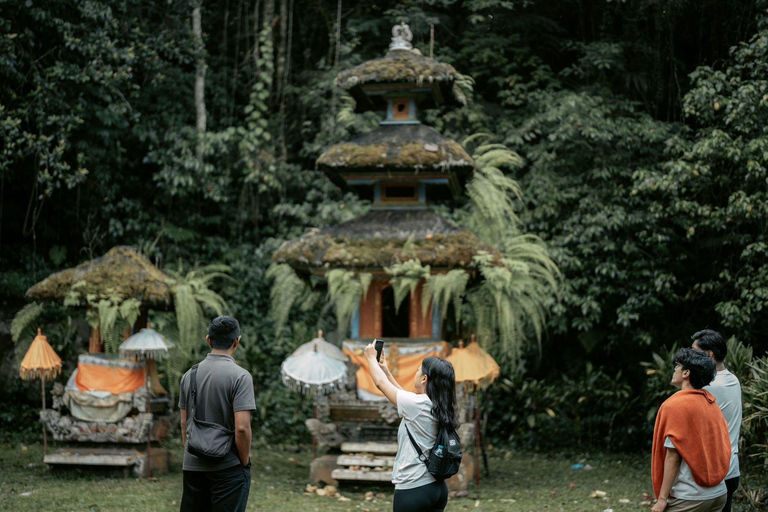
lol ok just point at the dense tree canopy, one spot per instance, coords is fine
(640, 128)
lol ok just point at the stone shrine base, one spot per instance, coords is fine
(133, 462)
(327, 468)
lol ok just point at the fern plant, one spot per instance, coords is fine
(517, 290)
(23, 324)
(288, 289)
(442, 290)
(194, 303)
(405, 278)
(345, 290)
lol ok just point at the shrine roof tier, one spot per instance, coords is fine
(401, 69)
(121, 271)
(413, 149)
(380, 239)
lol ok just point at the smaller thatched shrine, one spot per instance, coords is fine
(109, 400)
(400, 166)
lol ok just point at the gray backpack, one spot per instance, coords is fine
(206, 440)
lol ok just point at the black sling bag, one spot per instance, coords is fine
(444, 459)
(206, 440)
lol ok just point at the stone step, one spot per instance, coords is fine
(365, 460)
(376, 448)
(362, 476)
(91, 458)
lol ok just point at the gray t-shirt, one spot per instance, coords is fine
(416, 410)
(223, 388)
(727, 392)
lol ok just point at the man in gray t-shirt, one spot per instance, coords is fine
(727, 392)
(225, 396)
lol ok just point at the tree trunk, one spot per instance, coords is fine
(256, 30)
(280, 45)
(197, 30)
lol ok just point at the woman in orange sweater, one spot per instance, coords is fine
(691, 447)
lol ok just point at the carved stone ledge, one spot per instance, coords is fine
(132, 429)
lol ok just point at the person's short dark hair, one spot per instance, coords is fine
(711, 340)
(223, 331)
(703, 369)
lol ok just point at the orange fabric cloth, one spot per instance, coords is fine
(403, 368)
(694, 423)
(92, 377)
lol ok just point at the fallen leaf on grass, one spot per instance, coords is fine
(598, 494)
(25, 494)
(623, 500)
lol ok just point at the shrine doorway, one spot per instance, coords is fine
(394, 323)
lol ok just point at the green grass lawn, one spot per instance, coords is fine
(518, 482)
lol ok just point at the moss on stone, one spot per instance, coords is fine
(317, 251)
(121, 271)
(397, 66)
(409, 147)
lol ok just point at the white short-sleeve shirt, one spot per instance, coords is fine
(686, 488)
(416, 410)
(727, 391)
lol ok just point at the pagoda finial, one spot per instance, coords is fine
(401, 37)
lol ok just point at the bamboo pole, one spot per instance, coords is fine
(476, 412)
(45, 432)
(149, 427)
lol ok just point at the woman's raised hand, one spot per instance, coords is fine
(370, 351)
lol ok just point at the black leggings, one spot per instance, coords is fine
(731, 484)
(427, 498)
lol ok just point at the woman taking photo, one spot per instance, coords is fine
(423, 413)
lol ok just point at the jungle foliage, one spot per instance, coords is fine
(640, 163)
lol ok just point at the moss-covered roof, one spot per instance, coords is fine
(122, 271)
(400, 67)
(382, 238)
(397, 66)
(403, 147)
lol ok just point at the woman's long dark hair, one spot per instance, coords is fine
(441, 390)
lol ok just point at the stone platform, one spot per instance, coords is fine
(131, 461)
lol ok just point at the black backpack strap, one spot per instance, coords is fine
(193, 390)
(423, 458)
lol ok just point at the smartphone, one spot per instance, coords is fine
(379, 348)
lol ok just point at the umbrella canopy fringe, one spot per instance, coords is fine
(37, 373)
(313, 390)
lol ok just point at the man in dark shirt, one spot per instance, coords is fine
(225, 393)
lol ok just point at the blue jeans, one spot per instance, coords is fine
(225, 490)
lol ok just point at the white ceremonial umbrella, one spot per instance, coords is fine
(146, 344)
(314, 373)
(320, 345)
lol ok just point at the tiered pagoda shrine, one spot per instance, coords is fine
(401, 166)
